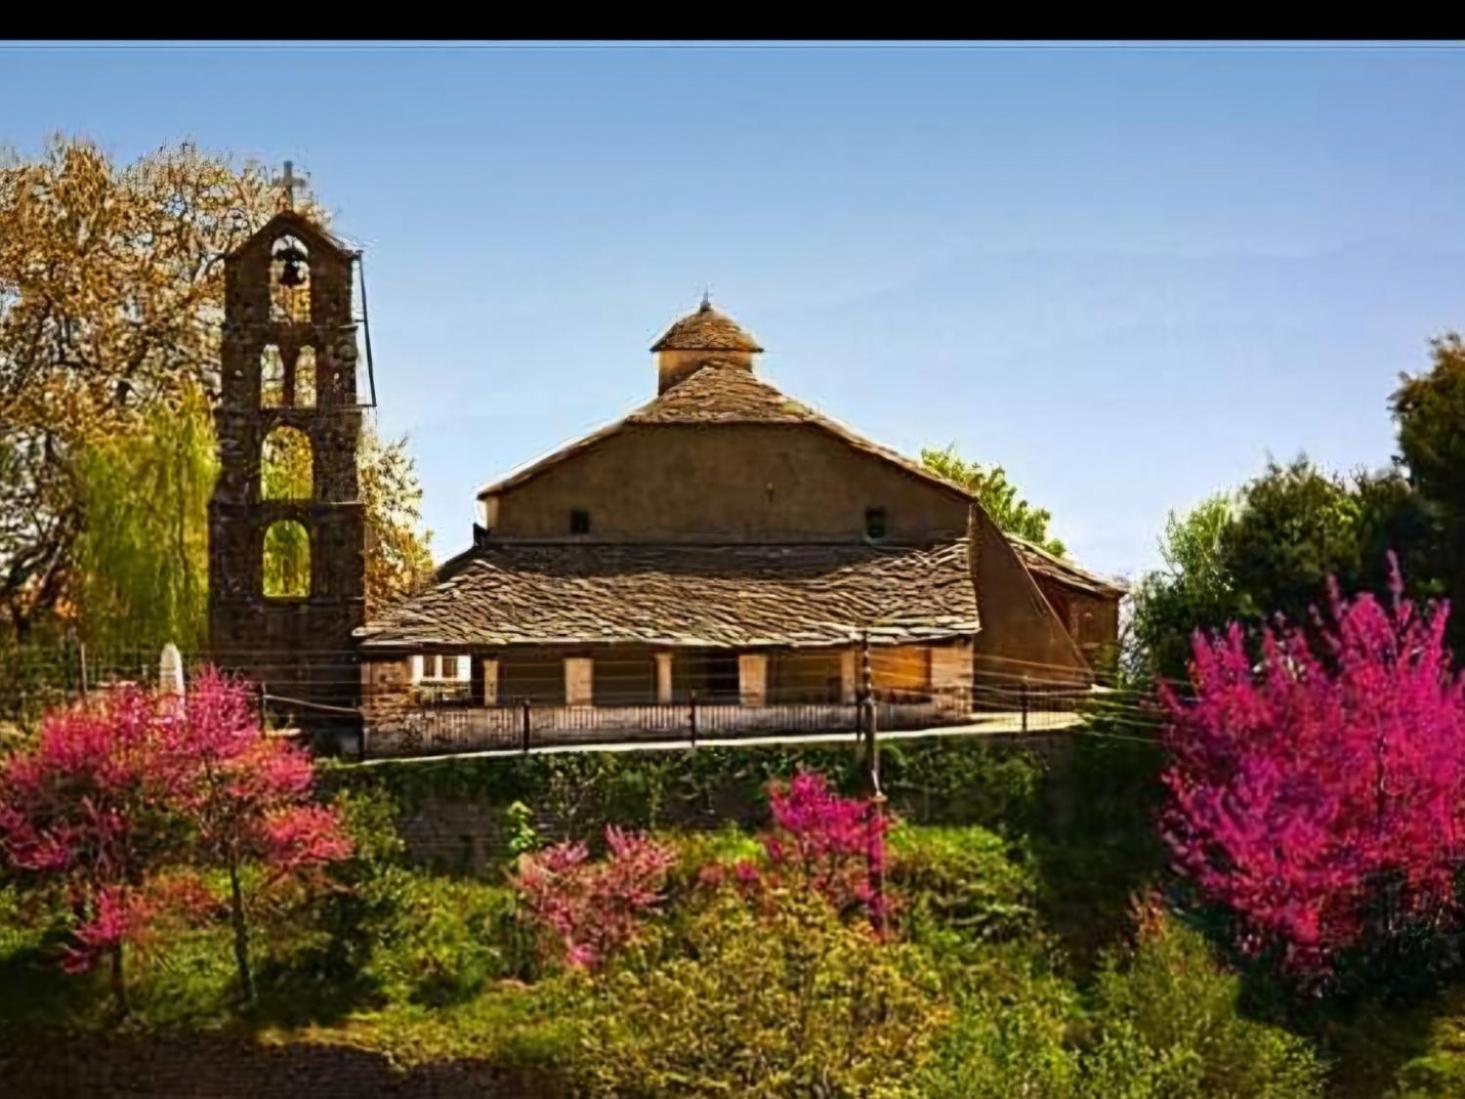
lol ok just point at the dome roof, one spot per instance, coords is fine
(706, 330)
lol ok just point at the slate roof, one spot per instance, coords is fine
(728, 595)
(1064, 571)
(706, 330)
(720, 393)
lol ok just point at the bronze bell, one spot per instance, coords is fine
(291, 274)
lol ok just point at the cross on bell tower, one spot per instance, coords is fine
(288, 182)
(286, 522)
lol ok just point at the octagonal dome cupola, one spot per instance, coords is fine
(698, 339)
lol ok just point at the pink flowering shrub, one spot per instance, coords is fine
(1321, 798)
(118, 800)
(832, 845)
(587, 910)
(246, 799)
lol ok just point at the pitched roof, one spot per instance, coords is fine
(1040, 561)
(706, 330)
(729, 595)
(724, 392)
(292, 221)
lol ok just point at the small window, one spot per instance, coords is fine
(438, 678)
(433, 666)
(875, 524)
(579, 521)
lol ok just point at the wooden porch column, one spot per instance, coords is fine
(752, 679)
(489, 670)
(579, 680)
(663, 677)
(849, 683)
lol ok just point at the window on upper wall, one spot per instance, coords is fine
(875, 523)
(579, 521)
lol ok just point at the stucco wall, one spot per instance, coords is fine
(1021, 633)
(739, 481)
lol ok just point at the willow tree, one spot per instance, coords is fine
(142, 555)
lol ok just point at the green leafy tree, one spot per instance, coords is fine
(1296, 526)
(996, 494)
(143, 551)
(1429, 410)
(1268, 550)
(398, 558)
(1193, 587)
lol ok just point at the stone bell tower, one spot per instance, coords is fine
(286, 523)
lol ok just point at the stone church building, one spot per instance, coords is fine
(723, 558)
(727, 544)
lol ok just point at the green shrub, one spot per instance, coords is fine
(789, 1002)
(509, 1024)
(698, 850)
(1012, 1035)
(1403, 1053)
(1168, 1006)
(523, 835)
(947, 780)
(963, 879)
(956, 780)
(320, 966)
(1098, 845)
(388, 933)
(447, 939)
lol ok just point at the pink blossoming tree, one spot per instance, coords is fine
(588, 910)
(120, 800)
(85, 812)
(247, 801)
(1321, 797)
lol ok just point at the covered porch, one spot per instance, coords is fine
(521, 696)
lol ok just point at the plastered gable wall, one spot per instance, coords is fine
(1018, 623)
(739, 481)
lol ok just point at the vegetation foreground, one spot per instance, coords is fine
(172, 870)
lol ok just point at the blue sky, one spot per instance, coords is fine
(1127, 273)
